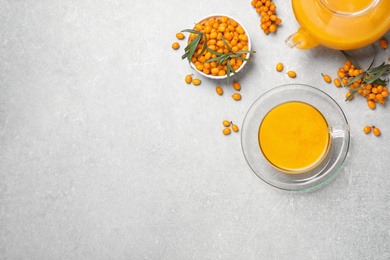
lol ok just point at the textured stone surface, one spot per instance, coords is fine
(105, 152)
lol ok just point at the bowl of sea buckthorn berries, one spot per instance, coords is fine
(218, 46)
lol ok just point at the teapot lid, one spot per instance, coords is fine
(350, 7)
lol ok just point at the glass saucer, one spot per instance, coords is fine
(339, 133)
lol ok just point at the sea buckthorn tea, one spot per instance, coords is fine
(294, 137)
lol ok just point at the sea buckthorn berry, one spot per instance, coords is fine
(226, 131)
(180, 36)
(200, 67)
(236, 86)
(236, 96)
(345, 80)
(226, 123)
(383, 43)
(279, 66)
(219, 90)
(221, 73)
(379, 97)
(206, 70)
(269, 21)
(376, 131)
(337, 83)
(175, 45)
(235, 128)
(341, 74)
(349, 96)
(188, 79)
(327, 78)
(291, 74)
(356, 72)
(367, 129)
(196, 82)
(371, 104)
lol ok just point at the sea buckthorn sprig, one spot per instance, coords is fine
(269, 21)
(367, 83)
(228, 127)
(217, 46)
(375, 130)
(226, 58)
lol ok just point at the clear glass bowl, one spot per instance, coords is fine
(338, 129)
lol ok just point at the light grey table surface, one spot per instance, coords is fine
(105, 152)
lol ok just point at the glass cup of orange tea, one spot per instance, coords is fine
(295, 137)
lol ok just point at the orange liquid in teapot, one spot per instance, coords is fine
(343, 24)
(294, 137)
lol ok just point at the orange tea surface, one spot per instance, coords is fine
(294, 136)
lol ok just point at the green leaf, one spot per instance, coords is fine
(192, 43)
(191, 31)
(349, 57)
(352, 80)
(223, 58)
(213, 52)
(374, 77)
(243, 51)
(204, 46)
(213, 59)
(190, 50)
(241, 58)
(227, 45)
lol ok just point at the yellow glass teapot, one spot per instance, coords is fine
(339, 24)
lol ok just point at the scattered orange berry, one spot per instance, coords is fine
(226, 123)
(376, 131)
(180, 36)
(219, 90)
(367, 129)
(327, 78)
(337, 83)
(349, 95)
(236, 86)
(291, 74)
(279, 66)
(236, 96)
(234, 128)
(188, 79)
(226, 131)
(175, 45)
(196, 82)
(383, 43)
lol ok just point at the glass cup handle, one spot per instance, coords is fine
(339, 131)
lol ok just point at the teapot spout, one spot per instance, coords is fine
(301, 40)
